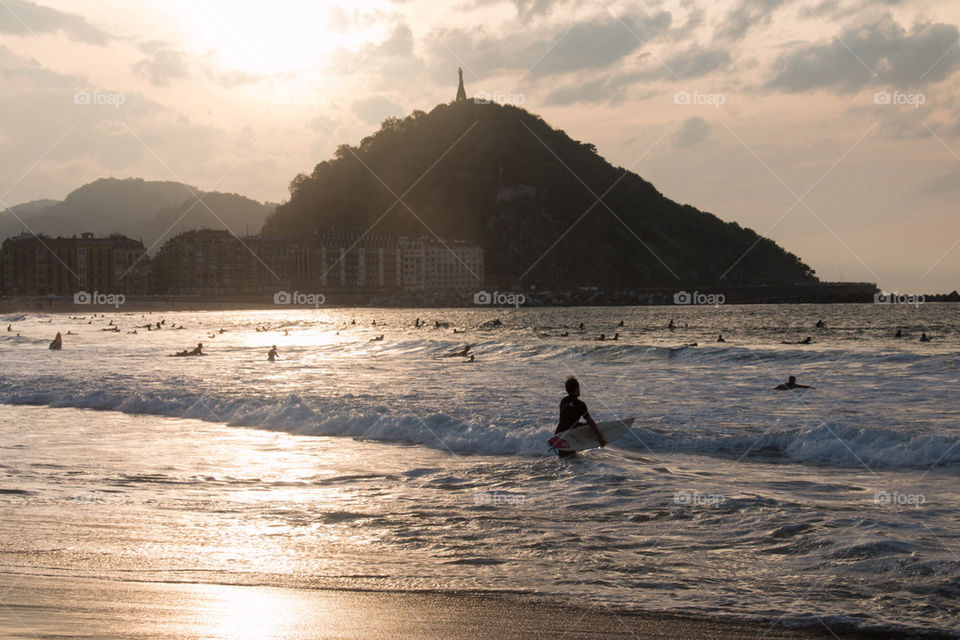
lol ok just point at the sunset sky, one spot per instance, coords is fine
(832, 127)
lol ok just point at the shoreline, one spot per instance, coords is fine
(135, 305)
(54, 607)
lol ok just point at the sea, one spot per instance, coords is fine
(370, 456)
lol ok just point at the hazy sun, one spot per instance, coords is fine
(265, 38)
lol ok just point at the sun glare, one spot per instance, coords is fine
(284, 37)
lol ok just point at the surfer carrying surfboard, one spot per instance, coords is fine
(572, 410)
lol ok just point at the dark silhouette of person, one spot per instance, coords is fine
(460, 354)
(720, 338)
(472, 358)
(791, 383)
(924, 338)
(898, 334)
(572, 411)
(806, 340)
(670, 325)
(602, 337)
(821, 324)
(196, 351)
(57, 343)
(581, 326)
(621, 324)
(616, 336)
(564, 334)
(272, 354)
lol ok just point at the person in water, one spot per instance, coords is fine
(272, 354)
(197, 351)
(460, 354)
(821, 324)
(923, 337)
(720, 338)
(898, 334)
(791, 383)
(57, 342)
(572, 411)
(671, 325)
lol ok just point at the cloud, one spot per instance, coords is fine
(529, 8)
(879, 53)
(376, 109)
(693, 131)
(693, 63)
(594, 45)
(746, 15)
(163, 66)
(23, 18)
(23, 74)
(615, 86)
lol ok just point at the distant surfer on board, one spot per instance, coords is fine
(572, 410)
(791, 383)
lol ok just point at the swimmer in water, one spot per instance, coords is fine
(791, 383)
(272, 354)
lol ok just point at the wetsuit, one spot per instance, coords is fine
(572, 409)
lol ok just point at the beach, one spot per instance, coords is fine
(395, 483)
(49, 607)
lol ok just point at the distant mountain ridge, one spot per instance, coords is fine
(502, 177)
(142, 209)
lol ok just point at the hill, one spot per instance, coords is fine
(137, 208)
(502, 177)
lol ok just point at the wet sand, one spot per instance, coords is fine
(55, 607)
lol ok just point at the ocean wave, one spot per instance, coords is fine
(832, 444)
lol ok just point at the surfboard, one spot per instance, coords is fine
(580, 438)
